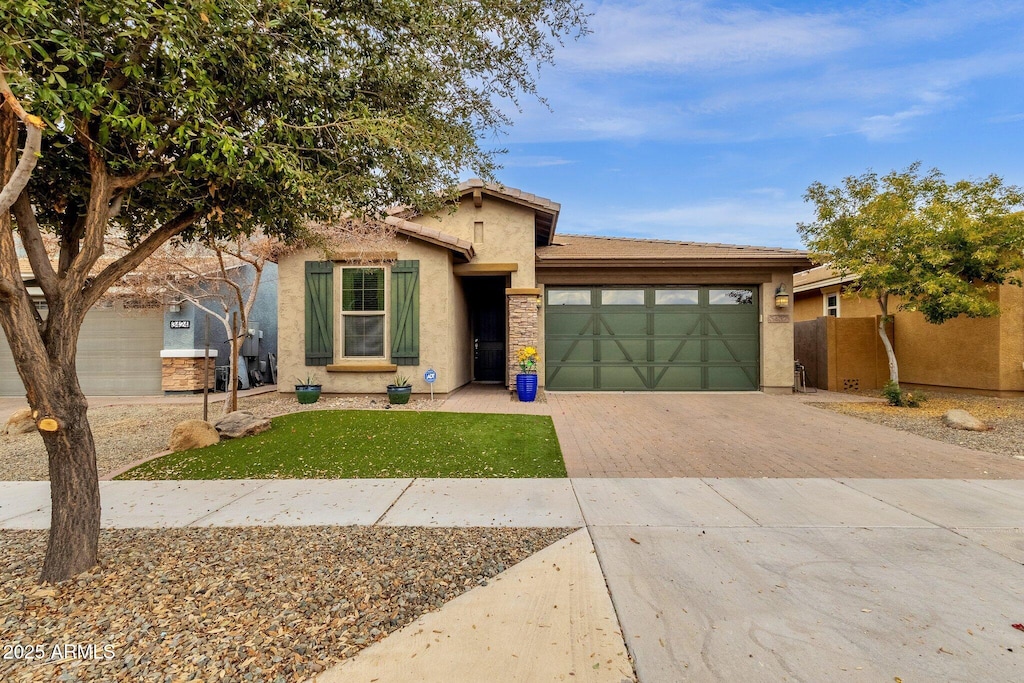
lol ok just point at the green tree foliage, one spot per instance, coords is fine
(187, 119)
(939, 246)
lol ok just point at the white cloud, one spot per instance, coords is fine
(672, 35)
(758, 219)
(663, 70)
(513, 161)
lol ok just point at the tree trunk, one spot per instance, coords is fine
(54, 395)
(74, 486)
(894, 370)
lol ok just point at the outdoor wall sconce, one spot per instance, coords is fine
(781, 297)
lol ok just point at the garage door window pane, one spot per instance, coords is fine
(675, 297)
(725, 297)
(622, 297)
(568, 297)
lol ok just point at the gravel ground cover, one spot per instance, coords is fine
(240, 604)
(127, 433)
(1004, 415)
(350, 444)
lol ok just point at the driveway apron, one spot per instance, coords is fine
(749, 537)
(747, 435)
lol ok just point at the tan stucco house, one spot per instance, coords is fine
(463, 291)
(838, 340)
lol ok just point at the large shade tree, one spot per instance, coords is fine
(189, 119)
(939, 246)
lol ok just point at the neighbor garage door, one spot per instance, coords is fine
(118, 354)
(652, 338)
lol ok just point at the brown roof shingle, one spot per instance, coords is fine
(569, 248)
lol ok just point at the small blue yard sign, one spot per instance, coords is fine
(430, 376)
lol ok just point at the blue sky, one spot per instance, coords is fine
(708, 120)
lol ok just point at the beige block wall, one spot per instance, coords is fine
(857, 360)
(963, 352)
(436, 287)
(1011, 338)
(967, 353)
(508, 234)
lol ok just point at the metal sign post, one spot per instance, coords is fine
(430, 377)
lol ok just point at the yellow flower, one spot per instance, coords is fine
(527, 358)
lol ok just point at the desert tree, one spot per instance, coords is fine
(199, 119)
(940, 247)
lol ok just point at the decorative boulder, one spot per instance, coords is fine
(241, 423)
(20, 422)
(192, 434)
(961, 419)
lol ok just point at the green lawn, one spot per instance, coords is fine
(343, 444)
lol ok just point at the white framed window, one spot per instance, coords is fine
(363, 312)
(832, 304)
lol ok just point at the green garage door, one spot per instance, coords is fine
(652, 338)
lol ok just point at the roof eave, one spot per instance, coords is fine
(787, 261)
(458, 246)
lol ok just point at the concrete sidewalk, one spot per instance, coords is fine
(711, 579)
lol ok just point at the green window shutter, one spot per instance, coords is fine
(319, 312)
(405, 313)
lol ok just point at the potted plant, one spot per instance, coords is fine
(307, 391)
(526, 381)
(400, 391)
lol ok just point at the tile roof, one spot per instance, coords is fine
(594, 248)
(432, 235)
(821, 276)
(510, 193)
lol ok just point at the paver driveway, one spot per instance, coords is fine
(748, 435)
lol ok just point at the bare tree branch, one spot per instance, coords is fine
(130, 261)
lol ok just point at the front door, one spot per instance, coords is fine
(488, 315)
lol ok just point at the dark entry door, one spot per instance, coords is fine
(488, 313)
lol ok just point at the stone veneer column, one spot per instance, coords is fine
(182, 370)
(523, 326)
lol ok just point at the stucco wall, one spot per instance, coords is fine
(460, 348)
(962, 352)
(435, 330)
(810, 305)
(776, 337)
(508, 234)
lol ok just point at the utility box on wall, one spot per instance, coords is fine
(251, 344)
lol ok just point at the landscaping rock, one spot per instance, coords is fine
(961, 419)
(192, 434)
(241, 423)
(20, 422)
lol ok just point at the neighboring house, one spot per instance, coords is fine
(134, 349)
(462, 292)
(837, 339)
(185, 338)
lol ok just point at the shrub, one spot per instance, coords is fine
(892, 393)
(902, 399)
